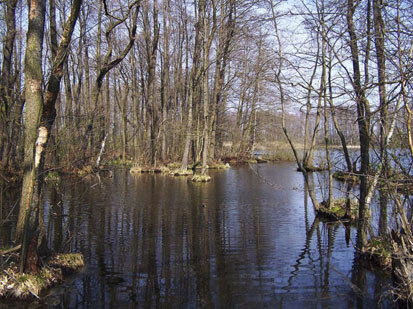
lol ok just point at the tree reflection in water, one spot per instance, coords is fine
(149, 242)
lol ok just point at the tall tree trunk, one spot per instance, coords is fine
(40, 116)
(363, 121)
(225, 35)
(252, 121)
(165, 77)
(379, 29)
(323, 94)
(193, 78)
(208, 34)
(29, 212)
(308, 162)
(135, 104)
(308, 159)
(151, 52)
(335, 121)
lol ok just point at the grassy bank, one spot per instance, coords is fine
(22, 286)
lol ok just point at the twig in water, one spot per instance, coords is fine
(277, 187)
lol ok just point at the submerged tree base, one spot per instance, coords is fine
(262, 160)
(337, 211)
(313, 168)
(402, 264)
(22, 286)
(135, 170)
(175, 169)
(201, 178)
(378, 253)
(182, 172)
(347, 177)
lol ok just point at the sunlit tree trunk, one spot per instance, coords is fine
(29, 212)
(308, 145)
(225, 36)
(193, 78)
(40, 116)
(323, 97)
(308, 163)
(208, 34)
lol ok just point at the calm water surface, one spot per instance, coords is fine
(242, 240)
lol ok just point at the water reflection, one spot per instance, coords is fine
(153, 240)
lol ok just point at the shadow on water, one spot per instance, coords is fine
(155, 240)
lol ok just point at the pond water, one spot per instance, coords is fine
(247, 239)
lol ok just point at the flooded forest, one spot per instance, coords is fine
(206, 153)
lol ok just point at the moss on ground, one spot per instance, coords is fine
(312, 168)
(120, 162)
(337, 211)
(67, 262)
